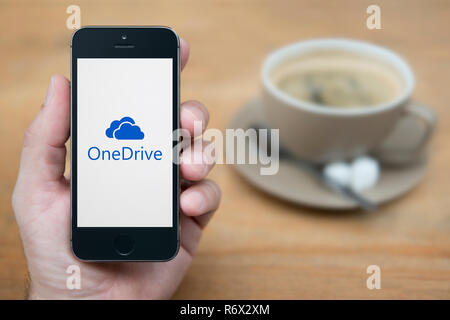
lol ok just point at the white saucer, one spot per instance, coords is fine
(295, 185)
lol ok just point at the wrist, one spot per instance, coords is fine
(32, 293)
(38, 293)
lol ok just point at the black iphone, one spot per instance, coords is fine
(124, 111)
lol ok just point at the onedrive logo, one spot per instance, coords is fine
(124, 129)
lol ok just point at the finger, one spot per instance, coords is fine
(44, 152)
(184, 48)
(197, 160)
(203, 220)
(193, 114)
(191, 233)
(51, 125)
(200, 201)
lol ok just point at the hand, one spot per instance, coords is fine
(41, 202)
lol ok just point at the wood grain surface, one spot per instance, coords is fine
(257, 246)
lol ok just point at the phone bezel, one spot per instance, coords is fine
(150, 243)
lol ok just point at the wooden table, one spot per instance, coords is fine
(257, 246)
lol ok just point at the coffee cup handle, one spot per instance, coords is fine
(423, 115)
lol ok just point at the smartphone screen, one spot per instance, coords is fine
(125, 109)
(124, 142)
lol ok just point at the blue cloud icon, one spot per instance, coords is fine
(128, 131)
(124, 129)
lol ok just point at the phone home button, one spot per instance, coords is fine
(124, 245)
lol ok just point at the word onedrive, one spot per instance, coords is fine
(125, 153)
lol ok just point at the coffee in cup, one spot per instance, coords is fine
(338, 79)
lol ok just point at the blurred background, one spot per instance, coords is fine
(257, 247)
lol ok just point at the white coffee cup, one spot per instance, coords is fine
(323, 134)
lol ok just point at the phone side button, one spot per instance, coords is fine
(124, 245)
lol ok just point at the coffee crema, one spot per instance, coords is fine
(338, 79)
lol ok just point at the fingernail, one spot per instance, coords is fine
(196, 201)
(50, 92)
(197, 115)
